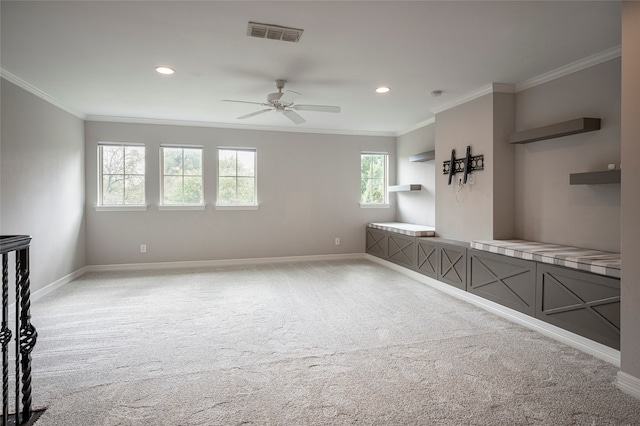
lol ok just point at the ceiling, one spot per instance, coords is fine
(97, 58)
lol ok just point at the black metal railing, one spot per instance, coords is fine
(25, 333)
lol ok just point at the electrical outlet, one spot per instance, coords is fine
(470, 179)
(143, 248)
(337, 241)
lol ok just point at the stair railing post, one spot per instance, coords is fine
(5, 338)
(28, 334)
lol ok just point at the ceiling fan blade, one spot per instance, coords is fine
(319, 108)
(246, 102)
(294, 116)
(254, 114)
(288, 97)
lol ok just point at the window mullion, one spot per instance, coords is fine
(182, 177)
(236, 177)
(124, 175)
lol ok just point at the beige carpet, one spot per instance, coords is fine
(309, 343)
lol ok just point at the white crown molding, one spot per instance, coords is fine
(484, 90)
(9, 76)
(576, 66)
(420, 125)
(136, 120)
(628, 384)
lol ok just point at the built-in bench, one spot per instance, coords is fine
(405, 229)
(595, 261)
(570, 287)
(395, 241)
(416, 247)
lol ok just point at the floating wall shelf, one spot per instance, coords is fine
(423, 156)
(402, 188)
(571, 127)
(595, 178)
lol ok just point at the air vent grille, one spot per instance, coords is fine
(274, 32)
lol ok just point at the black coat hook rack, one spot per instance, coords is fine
(464, 165)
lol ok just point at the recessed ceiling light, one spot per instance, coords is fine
(165, 70)
(382, 89)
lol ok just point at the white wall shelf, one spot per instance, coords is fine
(423, 156)
(566, 128)
(403, 188)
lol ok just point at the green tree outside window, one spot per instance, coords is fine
(122, 175)
(182, 176)
(236, 177)
(373, 178)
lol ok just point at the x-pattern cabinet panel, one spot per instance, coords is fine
(505, 280)
(377, 242)
(391, 246)
(452, 263)
(427, 257)
(584, 303)
(402, 250)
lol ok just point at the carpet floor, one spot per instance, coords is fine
(303, 343)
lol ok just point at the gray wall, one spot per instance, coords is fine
(548, 208)
(630, 313)
(308, 190)
(467, 214)
(417, 207)
(42, 183)
(502, 155)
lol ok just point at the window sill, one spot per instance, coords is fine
(180, 208)
(255, 207)
(375, 206)
(121, 208)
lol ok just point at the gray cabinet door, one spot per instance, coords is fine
(427, 257)
(376, 242)
(505, 280)
(583, 303)
(452, 264)
(402, 250)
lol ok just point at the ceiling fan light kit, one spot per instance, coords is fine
(283, 102)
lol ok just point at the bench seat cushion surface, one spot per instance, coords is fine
(406, 229)
(594, 261)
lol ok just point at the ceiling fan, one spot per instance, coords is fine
(284, 102)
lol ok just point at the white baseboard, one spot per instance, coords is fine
(628, 384)
(58, 283)
(596, 349)
(226, 262)
(188, 264)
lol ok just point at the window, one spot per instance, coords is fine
(121, 175)
(237, 177)
(373, 178)
(181, 169)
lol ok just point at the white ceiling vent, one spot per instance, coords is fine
(274, 32)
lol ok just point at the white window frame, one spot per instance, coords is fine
(254, 205)
(100, 206)
(385, 203)
(186, 206)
